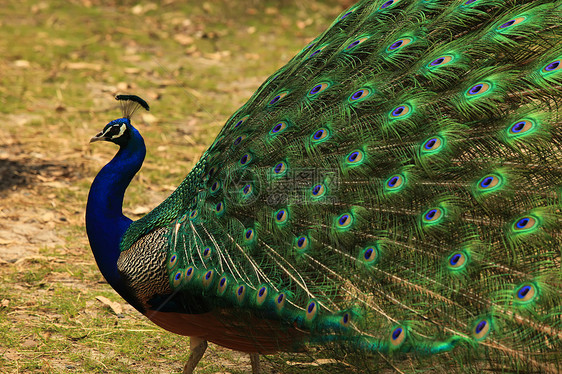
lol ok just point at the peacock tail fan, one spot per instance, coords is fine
(392, 195)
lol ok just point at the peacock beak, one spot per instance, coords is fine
(98, 138)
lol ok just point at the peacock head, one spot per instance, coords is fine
(119, 131)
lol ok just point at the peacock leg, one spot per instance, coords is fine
(197, 346)
(255, 360)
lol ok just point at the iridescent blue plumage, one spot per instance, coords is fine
(105, 221)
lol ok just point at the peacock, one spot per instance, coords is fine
(391, 198)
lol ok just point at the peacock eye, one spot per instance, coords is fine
(115, 131)
(442, 60)
(432, 145)
(344, 221)
(511, 22)
(478, 89)
(386, 4)
(318, 190)
(394, 183)
(356, 42)
(359, 95)
(433, 215)
(241, 121)
(320, 87)
(278, 128)
(490, 182)
(399, 44)
(521, 127)
(400, 111)
(553, 66)
(278, 97)
(397, 336)
(482, 329)
(316, 52)
(281, 216)
(302, 242)
(280, 169)
(355, 157)
(320, 135)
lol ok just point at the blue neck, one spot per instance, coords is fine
(105, 222)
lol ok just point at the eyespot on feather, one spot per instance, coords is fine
(359, 95)
(320, 135)
(249, 235)
(458, 260)
(345, 320)
(355, 157)
(318, 190)
(302, 243)
(281, 216)
(240, 294)
(520, 127)
(317, 89)
(311, 310)
(208, 277)
(481, 329)
(525, 224)
(478, 89)
(370, 255)
(489, 183)
(278, 98)
(215, 187)
(386, 4)
(172, 261)
(433, 215)
(245, 159)
(400, 43)
(346, 14)
(552, 67)
(395, 183)
(189, 274)
(280, 301)
(400, 111)
(280, 169)
(398, 336)
(193, 214)
(351, 46)
(222, 285)
(219, 208)
(241, 121)
(278, 128)
(344, 221)
(525, 293)
(317, 52)
(440, 61)
(177, 278)
(261, 295)
(238, 140)
(432, 145)
(512, 22)
(247, 190)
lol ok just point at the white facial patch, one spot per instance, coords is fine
(122, 129)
